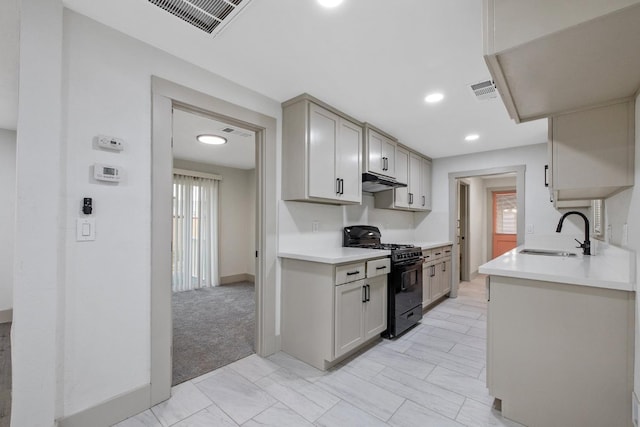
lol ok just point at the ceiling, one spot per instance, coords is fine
(239, 152)
(373, 59)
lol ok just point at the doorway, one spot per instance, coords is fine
(166, 96)
(472, 252)
(213, 244)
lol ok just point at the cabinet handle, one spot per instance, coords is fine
(341, 186)
(368, 292)
(364, 293)
(444, 266)
(351, 273)
(381, 268)
(433, 270)
(546, 175)
(337, 185)
(424, 200)
(410, 198)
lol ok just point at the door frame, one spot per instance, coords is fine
(463, 214)
(490, 220)
(165, 95)
(519, 170)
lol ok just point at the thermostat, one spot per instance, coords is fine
(110, 143)
(107, 173)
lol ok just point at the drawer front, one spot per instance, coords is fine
(427, 254)
(378, 267)
(437, 253)
(447, 251)
(350, 272)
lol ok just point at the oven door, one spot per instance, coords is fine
(407, 283)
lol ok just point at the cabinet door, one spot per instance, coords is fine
(426, 285)
(446, 276)
(426, 185)
(415, 181)
(349, 161)
(389, 153)
(324, 127)
(375, 309)
(349, 322)
(402, 175)
(375, 161)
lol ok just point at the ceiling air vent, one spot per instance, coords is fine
(234, 131)
(208, 15)
(484, 91)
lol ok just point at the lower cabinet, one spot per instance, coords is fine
(360, 312)
(436, 274)
(330, 310)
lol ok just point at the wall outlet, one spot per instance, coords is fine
(529, 228)
(315, 226)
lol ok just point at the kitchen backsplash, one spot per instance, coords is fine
(296, 224)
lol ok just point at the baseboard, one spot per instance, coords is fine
(634, 408)
(473, 275)
(6, 316)
(237, 278)
(111, 411)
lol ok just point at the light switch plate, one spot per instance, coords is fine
(85, 229)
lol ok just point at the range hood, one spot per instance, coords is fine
(374, 183)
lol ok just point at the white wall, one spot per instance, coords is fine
(296, 219)
(236, 220)
(539, 212)
(107, 349)
(7, 215)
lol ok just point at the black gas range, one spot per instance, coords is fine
(404, 287)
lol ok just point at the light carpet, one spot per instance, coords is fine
(212, 327)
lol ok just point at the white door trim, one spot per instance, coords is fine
(165, 95)
(519, 170)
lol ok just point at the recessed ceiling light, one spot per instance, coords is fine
(471, 137)
(330, 3)
(212, 139)
(432, 98)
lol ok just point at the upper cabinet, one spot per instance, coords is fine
(548, 57)
(321, 153)
(591, 152)
(379, 152)
(415, 170)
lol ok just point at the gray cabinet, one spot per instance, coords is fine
(360, 313)
(548, 57)
(328, 310)
(380, 152)
(322, 153)
(414, 170)
(436, 274)
(591, 153)
(554, 347)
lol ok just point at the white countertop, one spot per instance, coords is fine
(338, 255)
(610, 268)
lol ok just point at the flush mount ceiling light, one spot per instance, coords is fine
(211, 139)
(433, 98)
(471, 137)
(330, 3)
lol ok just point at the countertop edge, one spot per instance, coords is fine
(333, 259)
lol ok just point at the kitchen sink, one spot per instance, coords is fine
(546, 252)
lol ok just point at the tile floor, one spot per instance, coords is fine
(432, 376)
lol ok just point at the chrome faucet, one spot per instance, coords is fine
(586, 246)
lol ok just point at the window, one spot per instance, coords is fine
(506, 214)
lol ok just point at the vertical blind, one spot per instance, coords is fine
(506, 213)
(195, 229)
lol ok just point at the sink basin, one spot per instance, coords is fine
(546, 252)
